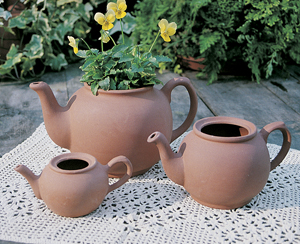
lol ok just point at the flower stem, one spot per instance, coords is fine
(86, 43)
(101, 46)
(154, 42)
(122, 31)
(112, 39)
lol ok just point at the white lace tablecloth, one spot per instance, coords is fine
(147, 209)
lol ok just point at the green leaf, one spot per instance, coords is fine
(94, 87)
(208, 40)
(11, 62)
(82, 53)
(42, 24)
(5, 14)
(86, 78)
(110, 64)
(118, 50)
(27, 65)
(4, 71)
(154, 62)
(123, 85)
(93, 51)
(34, 49)
(21, 21)
(162, 58)
(84, 11)
(12, 52)
(125, 58)
(63, 2)
(87, 64)
(7, 29)
(104, 84)
(128, 25)
(56, 62)
(130, 74)
(81, 29)
(98, 75)
(18, 21)
(112, 85)
(136, 69)
(68, 16)
(60, 32)
(112, 72)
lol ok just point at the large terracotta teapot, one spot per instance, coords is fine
(114, 122)
(223, 162)
(74, 184)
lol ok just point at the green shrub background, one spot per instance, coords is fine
(44, 27)
(261, 35)
(249, 35)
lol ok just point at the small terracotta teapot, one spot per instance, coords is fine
(223, 162)
(115, 122)
(74, 184)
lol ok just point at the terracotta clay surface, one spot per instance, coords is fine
(114, 122)
(223, 162)
(74, 184)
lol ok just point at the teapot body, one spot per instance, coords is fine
(73, 184)
(115, 122)
(226, 162)
(118, 123)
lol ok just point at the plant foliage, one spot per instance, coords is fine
(120, 68)
(261, 34)
(44, 26)
(123, 66)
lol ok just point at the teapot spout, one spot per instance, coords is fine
(172, 162)
(31, 178)
(55, 116)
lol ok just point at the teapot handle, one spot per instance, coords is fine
(286, 140)
(167, 89)
(120, 159)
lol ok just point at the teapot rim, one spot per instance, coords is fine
(136, 90)
(89, 159)
(249, 126)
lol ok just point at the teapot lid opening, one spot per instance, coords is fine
(225, 129)
(73, 163)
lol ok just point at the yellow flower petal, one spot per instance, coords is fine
(163, 25)
(107, 26)
(75, 49)
(122, 5)
(171, 29)
(72, 41)
(104, 37)
(100, 18)
(110, 16)
(120, 14)
(112, 6)
(165, 37)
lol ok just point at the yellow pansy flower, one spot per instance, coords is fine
(104, 36)
(106, 20)
(119, 8)
(167, 29)
(73, 43)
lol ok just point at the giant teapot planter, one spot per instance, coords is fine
(115, 122)
(223, 162)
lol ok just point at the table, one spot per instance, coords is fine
(147, 209)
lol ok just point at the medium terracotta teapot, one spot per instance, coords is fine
(115, 122)
(223, 162)
(74, 184)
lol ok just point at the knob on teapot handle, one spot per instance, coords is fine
(167, 89)
(265, 131)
